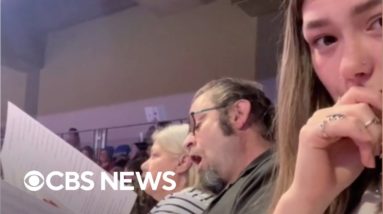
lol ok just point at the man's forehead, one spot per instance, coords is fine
(201, 102)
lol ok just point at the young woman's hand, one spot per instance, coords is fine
(335, 145)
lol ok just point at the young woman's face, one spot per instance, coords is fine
(345, 40)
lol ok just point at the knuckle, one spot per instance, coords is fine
(305, 131)
(319, 115)
(353, 90)
(353, 120)
(367, 138)
(362, 107)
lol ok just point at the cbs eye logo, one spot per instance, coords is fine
(34, 181)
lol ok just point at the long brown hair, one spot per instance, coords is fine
(300, 94)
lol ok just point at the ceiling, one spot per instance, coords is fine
(26, 23)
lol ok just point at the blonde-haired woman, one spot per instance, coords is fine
(168, 154)
(329, 109)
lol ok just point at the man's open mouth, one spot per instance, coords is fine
(196, 159)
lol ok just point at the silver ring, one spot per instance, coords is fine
(374, 120)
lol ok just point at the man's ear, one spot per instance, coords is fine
(184, 164)
(240, 114)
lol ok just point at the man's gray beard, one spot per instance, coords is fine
(210, 181)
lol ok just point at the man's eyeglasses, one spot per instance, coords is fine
(192, 120)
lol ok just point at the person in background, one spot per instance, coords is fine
(73, 138)
(119, 164)
(168, 154)
(144, 202)
(329, 129)
(88, 151)
(105, 160)
(230, 140)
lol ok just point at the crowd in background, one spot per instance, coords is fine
(318, 151)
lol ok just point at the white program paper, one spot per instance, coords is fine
(16, 201)
(28, 145)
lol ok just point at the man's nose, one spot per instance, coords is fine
(189, 142)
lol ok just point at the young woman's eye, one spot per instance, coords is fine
(377, 24)
(324, 41)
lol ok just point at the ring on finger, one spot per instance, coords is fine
(374, 120)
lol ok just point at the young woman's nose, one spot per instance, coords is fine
(356, 65)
